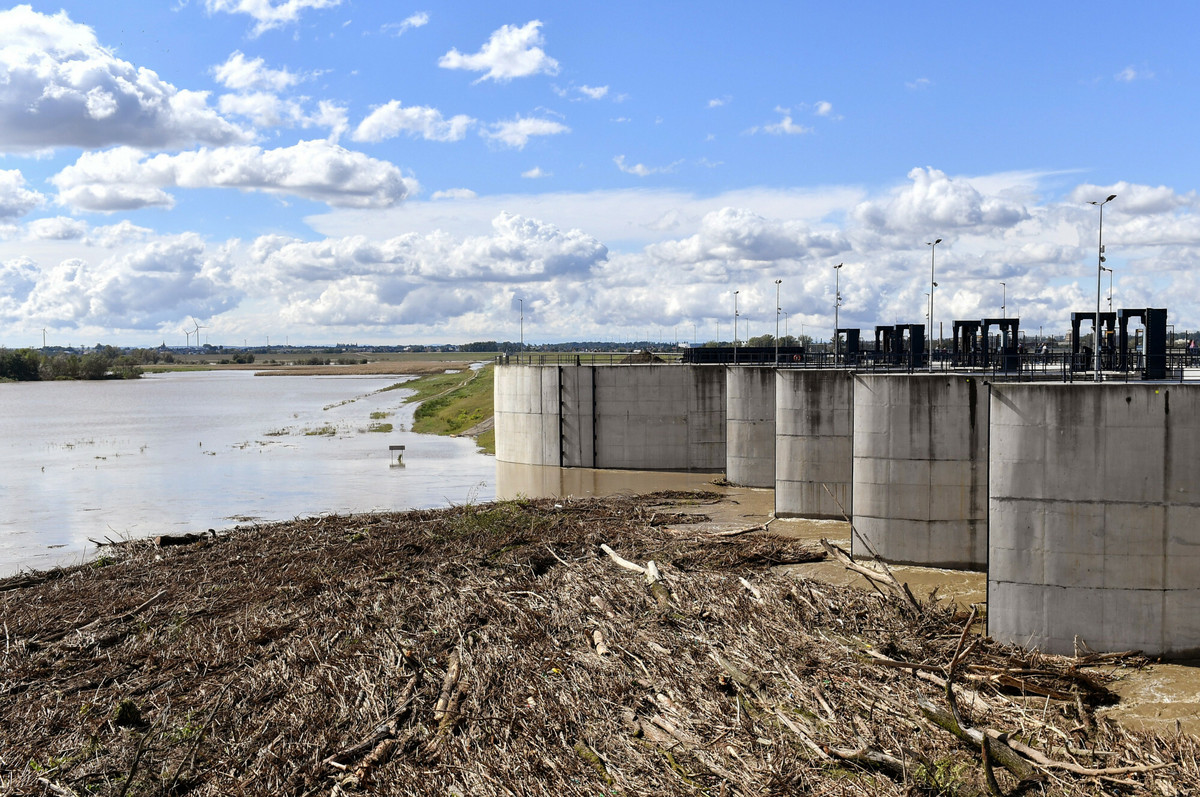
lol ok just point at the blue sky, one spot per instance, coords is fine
(329, 170)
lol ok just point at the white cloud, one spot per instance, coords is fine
(239, 73)
(417, 20)
(1130, 74)
(268, 14)
(785, 126)
(390, 120)
(823, 108)
(123, 178)
(15, 198)
(454, 193)
(139, 289)
(595, 92)
(510, 52)
(61, 88)
(934, 203)
(59, 228)
(718, 102)
(536, 173)
(919, 83)
(517, 132)
(641, 170)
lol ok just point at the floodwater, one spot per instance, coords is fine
(177, 452)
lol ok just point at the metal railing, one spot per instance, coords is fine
(1058, 366)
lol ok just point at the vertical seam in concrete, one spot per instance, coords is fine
(987, 529)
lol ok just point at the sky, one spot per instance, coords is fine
(321, 171)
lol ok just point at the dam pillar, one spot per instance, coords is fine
(920, 469)
(1094, 515)
(750, 426)
(814, 443)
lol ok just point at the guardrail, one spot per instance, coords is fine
(1181, 366)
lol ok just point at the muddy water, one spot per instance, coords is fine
(1156, 698)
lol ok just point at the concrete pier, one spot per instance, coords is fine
(750, 426)
(920, 464)
(1094, 513)
(638, 417)
(814, 443)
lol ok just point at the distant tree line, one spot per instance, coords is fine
(102, 362)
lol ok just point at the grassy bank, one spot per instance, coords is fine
(497, 650)
(455, 403)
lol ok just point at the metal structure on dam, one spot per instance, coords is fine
(1080, 499)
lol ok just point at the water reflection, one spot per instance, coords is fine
(178, 452)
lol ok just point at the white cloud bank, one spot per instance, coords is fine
(390, 120)
(268, 14)
(124, 178)
(61, 88)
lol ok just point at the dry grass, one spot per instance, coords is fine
(496, 650)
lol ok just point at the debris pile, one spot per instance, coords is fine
(605, 646)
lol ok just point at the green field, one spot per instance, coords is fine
(452, 403)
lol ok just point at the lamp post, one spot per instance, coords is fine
(932, 249)
(837, 302)
(1003, 300)
(522, 301)
(785, 326)
(735, 318)
(1099, 266)
(778, 312)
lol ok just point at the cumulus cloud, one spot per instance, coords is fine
(123, 178)
(417, 20)
(536, 173)
(511, 52)
(516, 133)
(390, 120)
(59, 228)
(739, 234)
(139, 289)
(1134, 200)
(935, 202)
(15, 198)
(61, 88)
(240, 73)
(406, 279)
(268, 14)
(718, 102)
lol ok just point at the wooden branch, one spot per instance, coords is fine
(1067, 766)
(874, 576)
(622, 562)
(1004, 754)
(453, 669)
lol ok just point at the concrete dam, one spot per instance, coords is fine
(1081, 501)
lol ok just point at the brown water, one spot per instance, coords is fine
(1159, 698)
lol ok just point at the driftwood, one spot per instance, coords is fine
(496, 650)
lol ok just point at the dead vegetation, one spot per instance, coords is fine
(502, 650)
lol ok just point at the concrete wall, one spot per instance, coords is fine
(750, 426)
(527, 414)
(920, 465)
(1094, 514)
(637, 417)
(814, 443)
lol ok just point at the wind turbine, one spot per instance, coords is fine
(198, 328)
(188, 332)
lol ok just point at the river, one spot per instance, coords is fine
(177, 452)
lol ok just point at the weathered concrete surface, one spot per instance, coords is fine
(750, 426)
(920, 469)
(637, 417)
(814, 424)
(1094, 514)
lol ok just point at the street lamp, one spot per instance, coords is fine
(735, 318)
(1099, 266)
(522, 301)
(1003, 300)
(778, 312)
(837, 302)
(932, 248)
